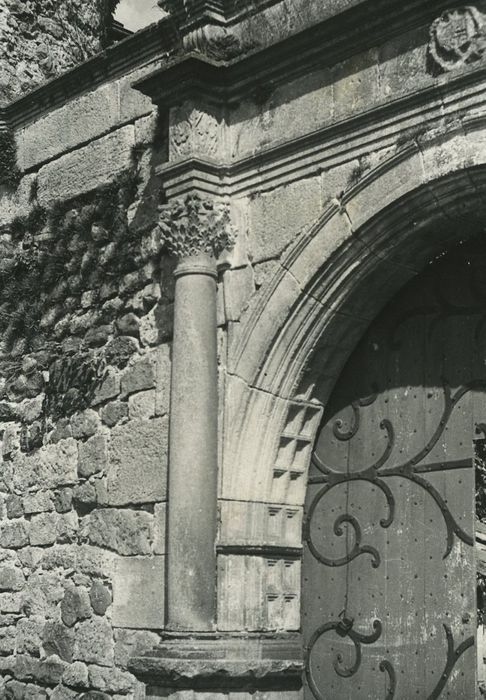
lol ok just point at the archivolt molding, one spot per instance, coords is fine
(331, 284)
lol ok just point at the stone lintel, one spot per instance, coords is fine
(223, 663)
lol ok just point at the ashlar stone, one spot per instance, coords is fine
(132, 479)
(139, 377)
(138, 593)
(124, 531)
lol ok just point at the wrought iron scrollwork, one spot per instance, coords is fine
(376, 475)
(345, 628)
(453, 656)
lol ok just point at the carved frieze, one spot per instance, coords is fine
(194, 225)
(196, 133)
(458, 38)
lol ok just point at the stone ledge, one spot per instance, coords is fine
(223, 663)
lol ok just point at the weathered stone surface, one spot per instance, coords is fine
(37, 46)
(100, 598)
(128, 325)
(51, 670)
(138, 377)
(87, 168)
(14, 534)
(163, 377)
(277, 217)
(76, 675)
(131, 480)
(124, 531)
(114, 412)
(58, 639)
(85, 494)
(43, 529)
(85, 424)
(142, 404)
(92, 456)
(139, 593)
(14, 506)
(39, 502)
(63, 693)
(109, 389)
(51, 466)
(160, 527)
(75, 606)
(111, 680)
(130, 643)
(10, 603)
(11, 578)
(63, 500)
(7, 640)
(67, 527)
(94, 642)
(29, 636)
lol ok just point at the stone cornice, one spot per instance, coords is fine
(401, 120)
(199, 71)
(191, 226)
(154, 42)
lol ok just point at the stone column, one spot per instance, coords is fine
(196, 231)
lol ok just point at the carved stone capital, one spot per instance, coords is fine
(192, 226)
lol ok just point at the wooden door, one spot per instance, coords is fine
(389, 576)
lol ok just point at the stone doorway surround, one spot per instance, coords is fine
(421, 197)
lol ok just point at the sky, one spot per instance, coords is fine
(135, 14)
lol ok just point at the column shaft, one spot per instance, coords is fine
(193, 453)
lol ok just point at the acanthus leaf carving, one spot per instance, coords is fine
(195, 225)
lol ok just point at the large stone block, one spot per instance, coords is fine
(277, 217)
(96, 164)
(50, 467)
(137, 458)
(59, 131)
(124, 531)
(139, 593)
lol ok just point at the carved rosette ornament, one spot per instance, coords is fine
(194, 226)
(458, 38)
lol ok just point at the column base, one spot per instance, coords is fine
(221, 663)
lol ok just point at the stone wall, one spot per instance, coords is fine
(86, 318)
(40, 39)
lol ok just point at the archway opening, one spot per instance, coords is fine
(389, 594)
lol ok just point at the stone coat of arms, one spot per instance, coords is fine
(458, 37)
